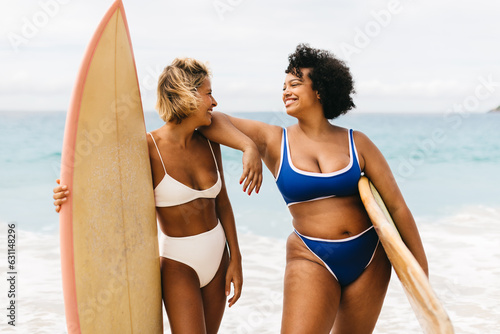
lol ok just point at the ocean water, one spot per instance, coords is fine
(446, 166)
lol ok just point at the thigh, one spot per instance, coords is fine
(311, 293)
(362, 300)
(182, 297)
(214, 297)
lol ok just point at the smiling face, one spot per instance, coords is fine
(298, 94)
(206, 102)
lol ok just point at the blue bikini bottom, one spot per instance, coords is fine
(346, 259)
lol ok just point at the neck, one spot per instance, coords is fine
(314, 125)
(178, 134)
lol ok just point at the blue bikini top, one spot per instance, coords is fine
(297, 186)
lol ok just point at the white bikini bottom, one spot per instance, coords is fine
(202, 252)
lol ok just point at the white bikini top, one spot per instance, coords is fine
(170, 192)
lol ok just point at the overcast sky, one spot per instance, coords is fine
(406, 56)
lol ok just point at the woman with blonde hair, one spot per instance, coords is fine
(199, 252)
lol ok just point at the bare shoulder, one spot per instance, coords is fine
(153, 134)
(152, 138)
(149, 138)
(275, 133)
(361, 139)
(374, 165)
(367, 151)
(363, 143)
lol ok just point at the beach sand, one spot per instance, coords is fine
(463, 253)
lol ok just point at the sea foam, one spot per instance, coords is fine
(462, 251)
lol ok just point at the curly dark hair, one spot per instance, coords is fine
(330, 77)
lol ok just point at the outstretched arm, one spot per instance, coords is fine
(228, 135)
(267, 137)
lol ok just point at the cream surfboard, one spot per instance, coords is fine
(427, 307)
(109, 245)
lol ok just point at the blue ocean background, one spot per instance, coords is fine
(446, 166)
(442, 162)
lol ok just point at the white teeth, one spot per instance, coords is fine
(289, 102)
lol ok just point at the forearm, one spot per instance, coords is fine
(410, 235)
(222, 131)
(234, 274)
(226, 217)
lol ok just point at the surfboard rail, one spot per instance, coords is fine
(427, 307)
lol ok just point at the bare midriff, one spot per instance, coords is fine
(188, 219)
(330, 218)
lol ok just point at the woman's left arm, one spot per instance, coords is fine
(226, 217)
(230, 136)
(377, 169)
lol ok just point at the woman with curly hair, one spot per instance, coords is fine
(336, 273)
(199, 252)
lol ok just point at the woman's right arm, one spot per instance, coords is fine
(60, 195)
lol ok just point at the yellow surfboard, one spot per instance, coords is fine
(109, 245)
(427, 307)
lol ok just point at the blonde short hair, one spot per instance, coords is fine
(177, 88)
